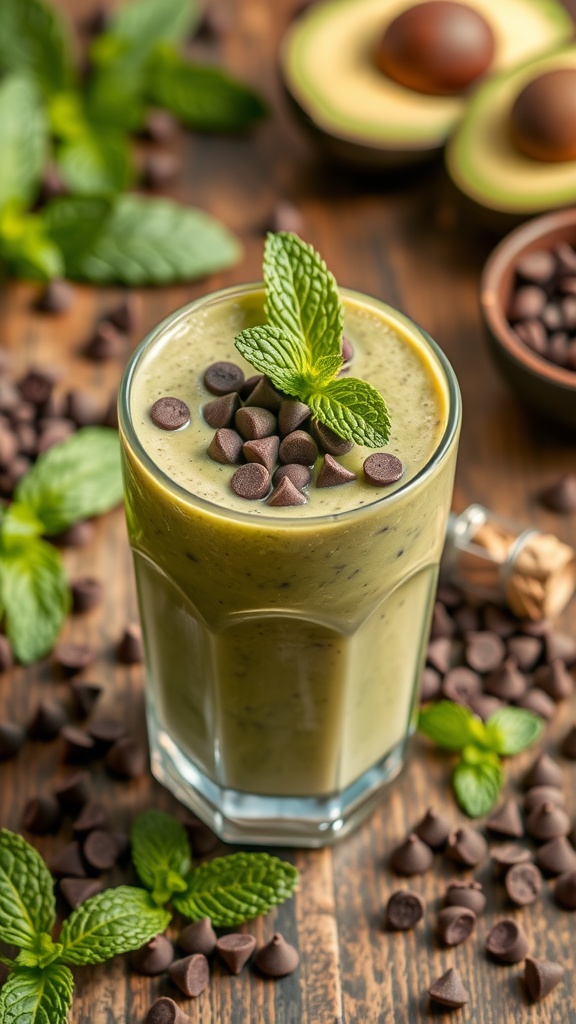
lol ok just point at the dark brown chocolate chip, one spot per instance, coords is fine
(560, 646)
(106, 730)
(555, 680)
(277, 958)
(222, 378)
(72, 658)
(466, 846)
(533, 334)
(264, 395)
(527, 303)
(544, 772)
(76, 536)
(12, 737)
(100, 849)
(126, 759)
(248, 387)
(73, 791)
(403, 910)
(166, 1011)
(286, 217)
(455, 924)
(291, 415)
(225, 447)
(442, 622)
(560, 496)
(37, 386)
(450, 596)
(47, 720)
(537, 267)
(93, 815)
(78, 745)
(123, 316)
(154, 957)
(160, 168)
(468, 619)
(251, 481)
(556, 856)
(439, 654)
(42, 814)
(76, 890)
(538, 795)
(465, 894)
(506, 682)
(86, 593)
(52, 432)
(460, 683)
(434, 829)
(221, 411)
(506, 820)
(300, 476)
(190, 974)
(333, 474)
(565, 891)
(449, 990)
(107, 343)
(56, 297)
(85, 696)
(504, 856)
(202, 839)
(567, 748)
(347, 350)
(431, 683)
(298, 447)
(263, 450)
(286, 494)
(526, 651)
(541, 977)
(68, 862)
(566, 257)
(523, 883)
(539, 702)
(235, 950)
(169, 413)
(484, 651)
(130, 649)
(253, 422)
(382, 469)
(506, 941)
(483, 705)
(412, 857)
(198, 937)
(547, 822)
(328, 441)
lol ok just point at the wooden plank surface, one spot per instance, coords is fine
(407, 243)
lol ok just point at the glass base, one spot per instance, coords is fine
(238, 817)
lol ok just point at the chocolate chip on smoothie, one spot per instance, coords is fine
(223, 377)
(506, 682)
(86, 593)
(198, 937)
(12, 738)
(42, 814)
(547, 822)
(191, 974)
(72, 658)
(449, 990)
(225, 447)
(455, 924)
(169, 413)
(507, 942)
(235, 950)
(251, 481)
(466, 846)
(541, 977)
(166, 1011)
(568, 746)
(47, 720)
(556, 856)
(68, 862)
(565, 891)
(300, 476)
(286, 494)
(544, 772)
(130, 649)
(403, 910)
(433, 829)
(555, 680)
(298, 447)
(126, 759)
(77, 890)
(221, 411)
(265, 395)
(277, 958)
(253, 422)
(263, 450)
(484, 651)
(506, 820)
(154, 957)
(465, 894)
(333, 474)
(291, 415)
(523, 883)
(85, 696)
(328, 441)
(249, 385)
(412, 857)
(382, 469)
(560, 496)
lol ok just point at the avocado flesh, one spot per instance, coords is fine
(328, 67)
(483, 162)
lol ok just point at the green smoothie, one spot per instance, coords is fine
(284, 645)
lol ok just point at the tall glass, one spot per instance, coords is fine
(283, 653)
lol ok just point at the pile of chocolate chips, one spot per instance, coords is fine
(542, 307)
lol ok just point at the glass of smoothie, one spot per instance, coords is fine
(284, 645)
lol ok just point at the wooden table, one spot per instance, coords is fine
(408, 244)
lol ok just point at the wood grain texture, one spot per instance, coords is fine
(406, 242)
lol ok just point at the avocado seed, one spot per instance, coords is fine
(439, 47)
(543, 117)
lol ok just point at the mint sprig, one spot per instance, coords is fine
(229, 890)
(478, 776)
(299, 348)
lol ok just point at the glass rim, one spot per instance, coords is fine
(187, 497)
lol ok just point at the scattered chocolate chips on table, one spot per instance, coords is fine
(166, 1011)
(235, 950)
(191, 974)
(449, 990)
(506, 941)
(198, 937)
(277, 958)
(403, 910)
(154, 957)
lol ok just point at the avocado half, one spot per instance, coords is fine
(485, 165)
(328, 68)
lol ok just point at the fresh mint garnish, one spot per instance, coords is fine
(478, 776)
(24, 134)
(228, 890)
(112, 922)
(34, 41)
(300, 347)
(34, 996)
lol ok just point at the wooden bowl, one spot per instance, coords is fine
(546, 387)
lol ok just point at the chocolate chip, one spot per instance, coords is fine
(221, 411)
(565, 891)
(332, 474)
(225, 447)
(52, 432)
(347, 350)
(169, 413)
(123, 316)
(506, 941)
(547, 822)
(166, 1011)
(47, 720)
(198, 937)
(41, 815)
(566, 257)
(450, 596)
(556, 856)
(286, 217)
(248, 387)
(527, 302)
(555, 680)
(328, 441)
(523, 883)
(106, 730)
(86, 593)
(154, 957)
(253, 422)
(85, 696)
(100, 849)
(73, 791)
(126, 759)
(497, 620)
(468, 619)
(72, 658)
(465, 894)
(12, 737)
(484, 651)
(160, 168)
(466, 846)
(538, 266)
(455, 924)
(431, 683)
(83, 408)
(506, 820)
(264, 395)
(460, 683)
(412, 857)
(251, 481)
(160, 126)
(221, 378)
(300, 476)
(541, 977)
(449, 990)
(526, 651)
(37, 386)
(286, 494)
(544, 772)
(504, 856)
(568, 746)
(277, 958)
(106, 343)
(93, 815)
(382, 469)
(506, 682)
(235, 950)
(76, 536)
(442, 622)
(539, 702)
(483, 705)
(191, 974)
(560, 496)
(439, 654)
(78, 745)
(291, 415)
(538, 795)
(403, 910)
(560, 646)
(264, 451)
(533, 334)
(76, 890)
(56, 297)
(298, 447)
(434, 829)
(68, 862)
(130, 649)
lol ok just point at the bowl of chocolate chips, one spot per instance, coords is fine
(528, 301)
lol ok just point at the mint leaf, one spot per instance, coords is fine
(155, 241)
(98, 162)
(34, 597)
(269, 350)
(202, 97)
(19, 524)
(142, 24)
(233, 889)
(24, 138)
(43, 952)
(302, 298)
(33, 40)
(353, 409)
(160, 854)
(447, 724)
(37, 996)
(27, 905)
(511, 730)
(26, 247)
(115, 98)
(74, 222)
(112, 922)
(477, 785)
(76, 479)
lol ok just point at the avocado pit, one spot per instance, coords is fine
(439, 48)
(543, 117)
